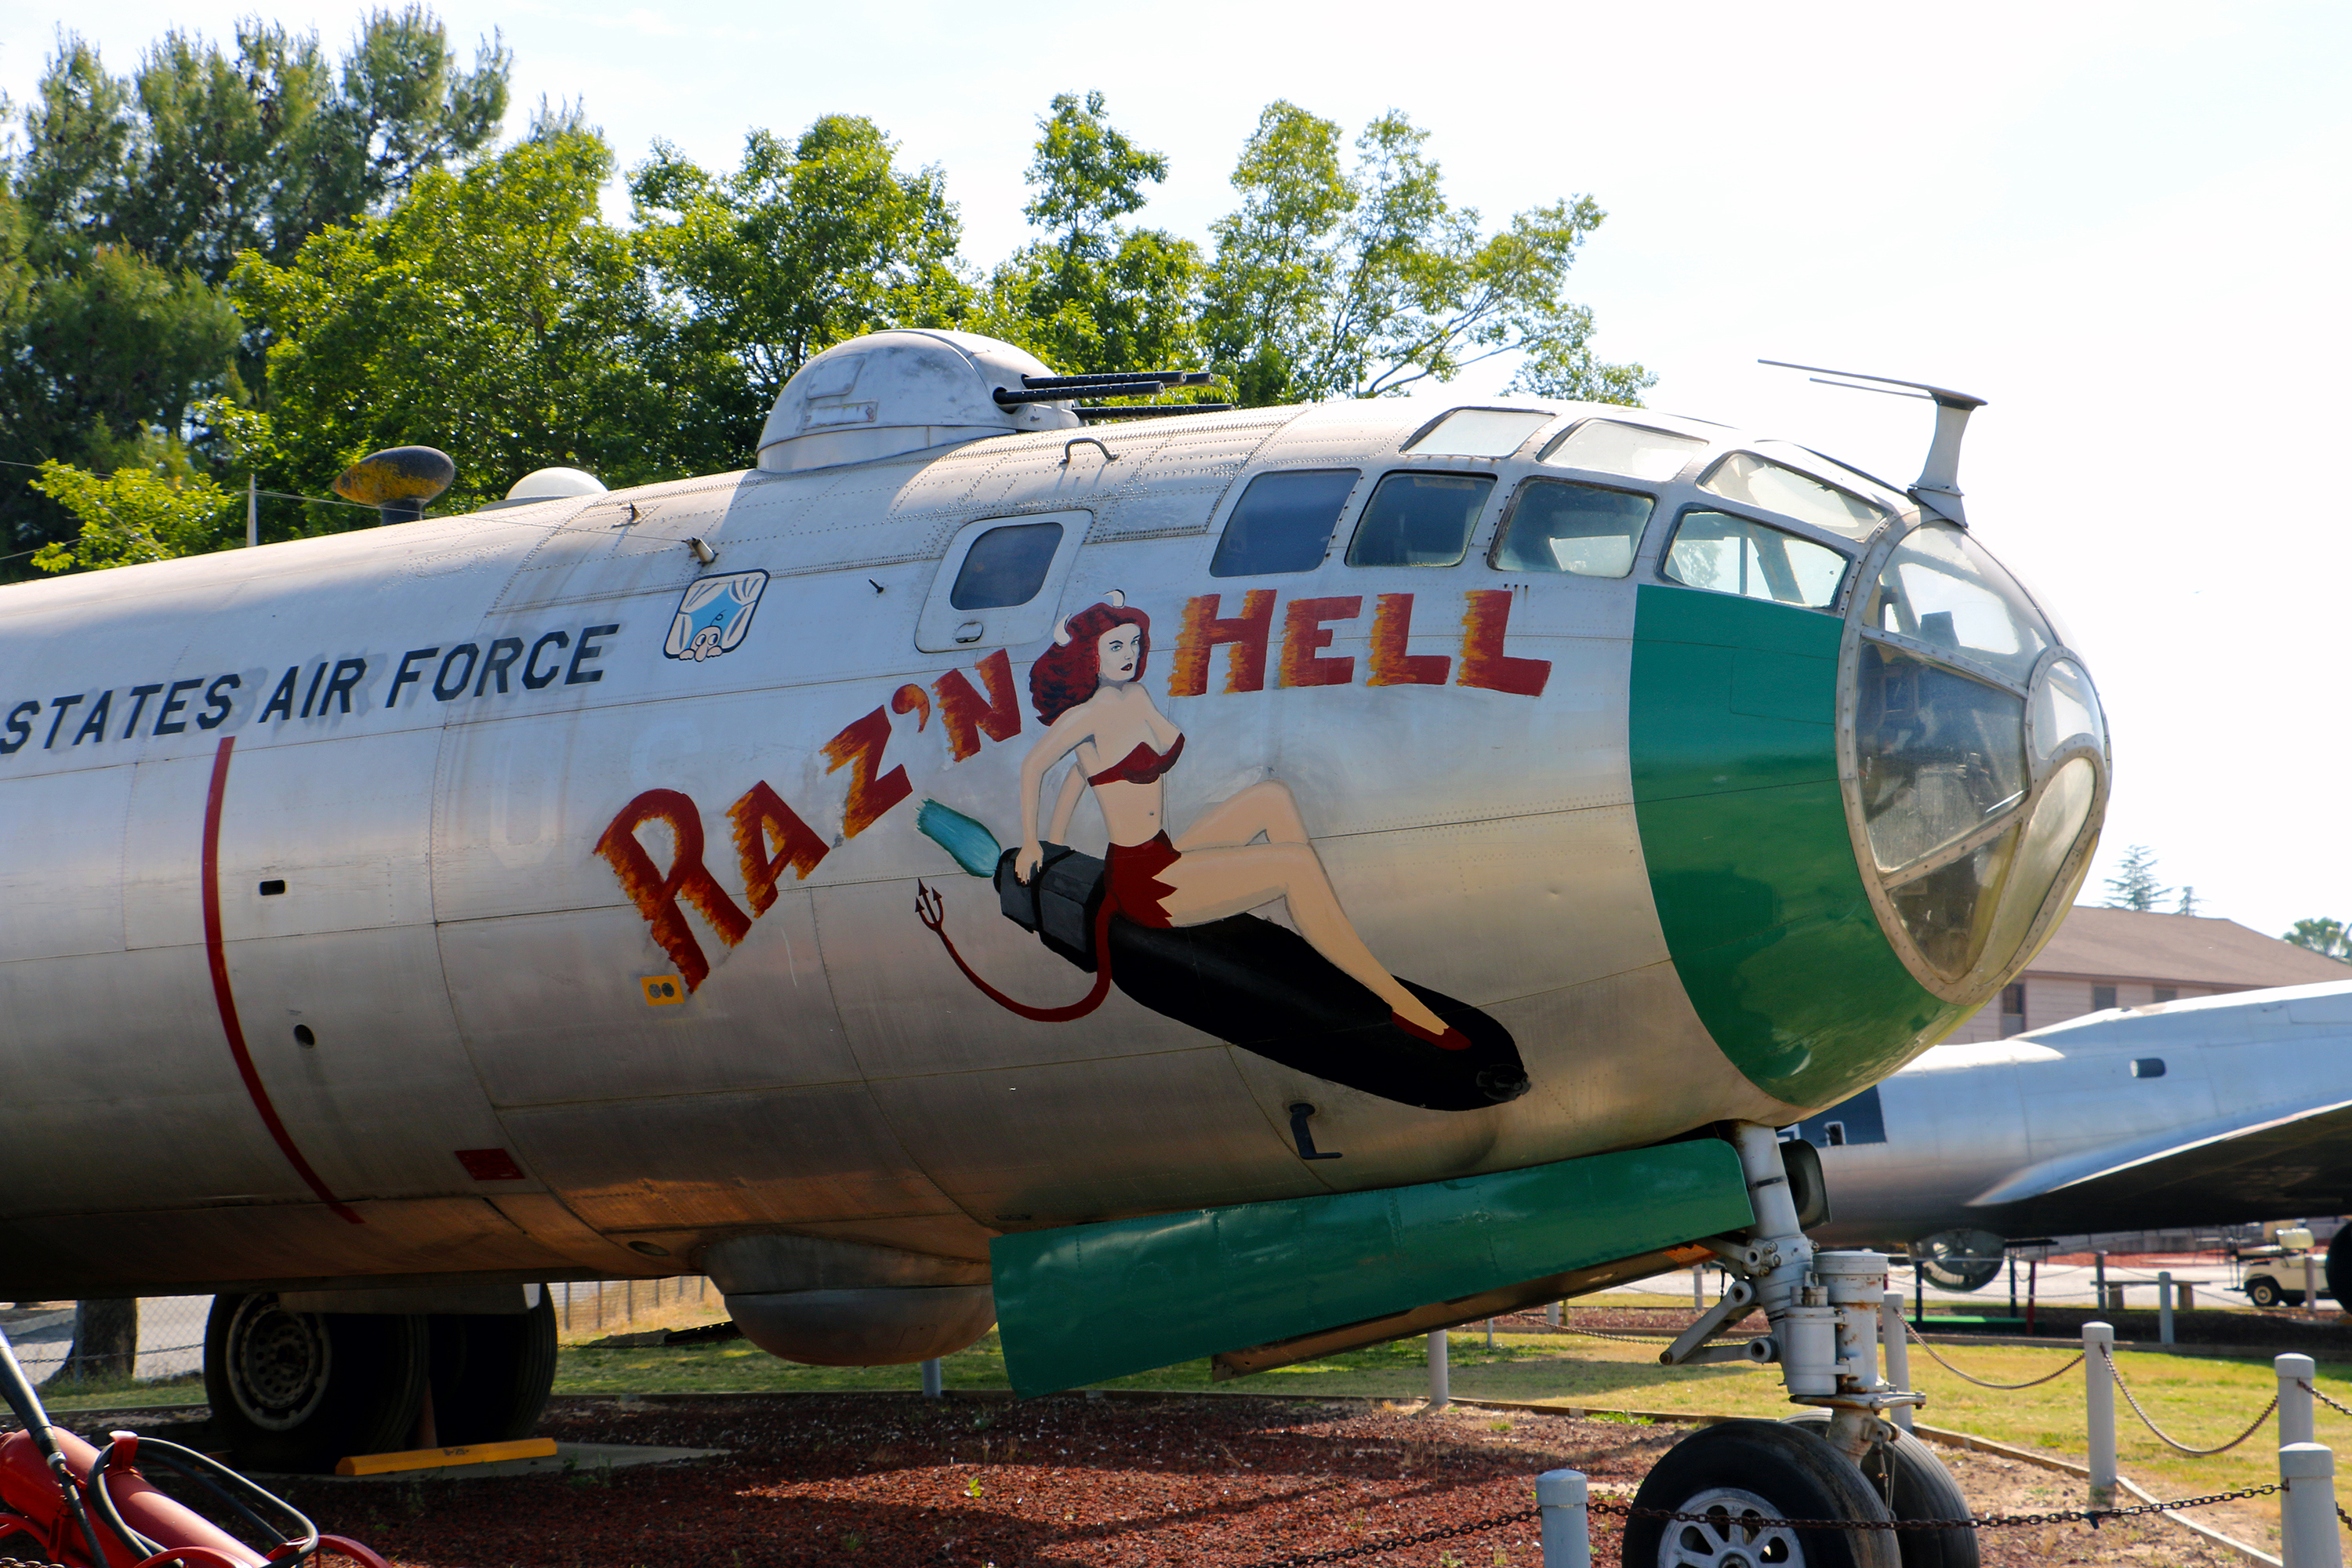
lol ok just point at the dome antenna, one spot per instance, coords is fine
(1937, 487)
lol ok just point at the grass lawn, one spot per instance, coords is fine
(2201, 1400)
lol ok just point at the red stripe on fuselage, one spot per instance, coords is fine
(217, 954)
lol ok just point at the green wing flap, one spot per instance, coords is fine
(1081, 1303)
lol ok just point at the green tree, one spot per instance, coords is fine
(1334, 280)
(1095, 295)
(151, 508)
(494, 314)
(132, 197)
(2134, 886)
(2327, 936)
(801, 247)
(206, 153)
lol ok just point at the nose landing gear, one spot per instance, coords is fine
(1842, 1461)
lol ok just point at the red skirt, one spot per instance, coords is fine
(1132, 872)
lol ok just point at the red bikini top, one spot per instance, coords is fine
(1141, 765)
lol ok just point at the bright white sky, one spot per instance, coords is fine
(2124, 225)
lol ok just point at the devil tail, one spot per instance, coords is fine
(932, 909)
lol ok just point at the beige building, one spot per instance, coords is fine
(2104, 958)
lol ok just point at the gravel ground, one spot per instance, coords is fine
(1217, 1482)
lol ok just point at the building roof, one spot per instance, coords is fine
(2127, 944)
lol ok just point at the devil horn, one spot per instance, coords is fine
(1118, 600)
(1062, 633)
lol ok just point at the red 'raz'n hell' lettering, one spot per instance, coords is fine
(1244, 636)
(1484, 663)
(967, 717)
(859, 747)
(764, 823)
(657, 894)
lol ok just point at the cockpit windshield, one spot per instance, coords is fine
(1745, 477)
(1940, 588)
(1979, 759)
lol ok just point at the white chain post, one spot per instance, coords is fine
(1698, 1287)
(1441, 1392)
(2310, 1286)
(2308, 1537)
(934, 1384)
(2294, 1376)
(2164, 1307)
(1567, 1529)
(2099, 1411)
(1552, 1314)
(1898, 1350)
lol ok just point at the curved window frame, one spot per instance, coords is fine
(1983, 980)
(1840, 602)
(1709, 449)
(1528, 482)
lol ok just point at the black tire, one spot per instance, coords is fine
(1765, 1468)
(491, 1373)
(297, 1391)
(2262, 1291)
(2336, 1268)
(1921, 1488)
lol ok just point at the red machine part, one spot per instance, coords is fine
(32, 1505)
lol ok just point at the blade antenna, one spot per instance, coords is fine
(1937, 487)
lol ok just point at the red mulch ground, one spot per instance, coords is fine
(891, 1482)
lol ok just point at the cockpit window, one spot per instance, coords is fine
(1480, 433)
(2064, 706)
(1727, 555)
(1941, 589)
(1582, 529)
(1005, 566)
(1609, 447)
(1420, 519)
(1283, 522)
(1745, 477)
(1941, 755)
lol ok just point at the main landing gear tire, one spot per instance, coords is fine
(2336, 1268)
(1921, 1488)
(491, 1373)
(297, 1391)
(1739, 1471)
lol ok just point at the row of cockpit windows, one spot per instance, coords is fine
(1284, 522)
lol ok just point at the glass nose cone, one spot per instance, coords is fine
(1979, 760)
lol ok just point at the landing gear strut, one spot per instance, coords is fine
(1840, 1460)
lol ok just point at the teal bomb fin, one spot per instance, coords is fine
(975, 849)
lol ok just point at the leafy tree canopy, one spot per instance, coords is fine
(1339, 280)
(204, 153)
(2327, 936)
(805, 244)
(494, 313)
(153, 506)
(1094, 295)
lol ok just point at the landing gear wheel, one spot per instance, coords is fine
(2337, 1269)
(491, 1373)
(1740, 1471)
(297, 1391)
(1920, 1488)
(2262, 1291)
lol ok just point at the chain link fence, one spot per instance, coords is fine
(100, 1346)
(592, 1307)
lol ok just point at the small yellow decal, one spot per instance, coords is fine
(662, 990)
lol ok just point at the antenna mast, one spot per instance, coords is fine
(1937, 487)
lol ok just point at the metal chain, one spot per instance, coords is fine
(2092, 1516)
(2315, 1392)
(1980, 1383)
(2117, 1374)
(1373, 1548)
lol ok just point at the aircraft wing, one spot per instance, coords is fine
(2276, 1160)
